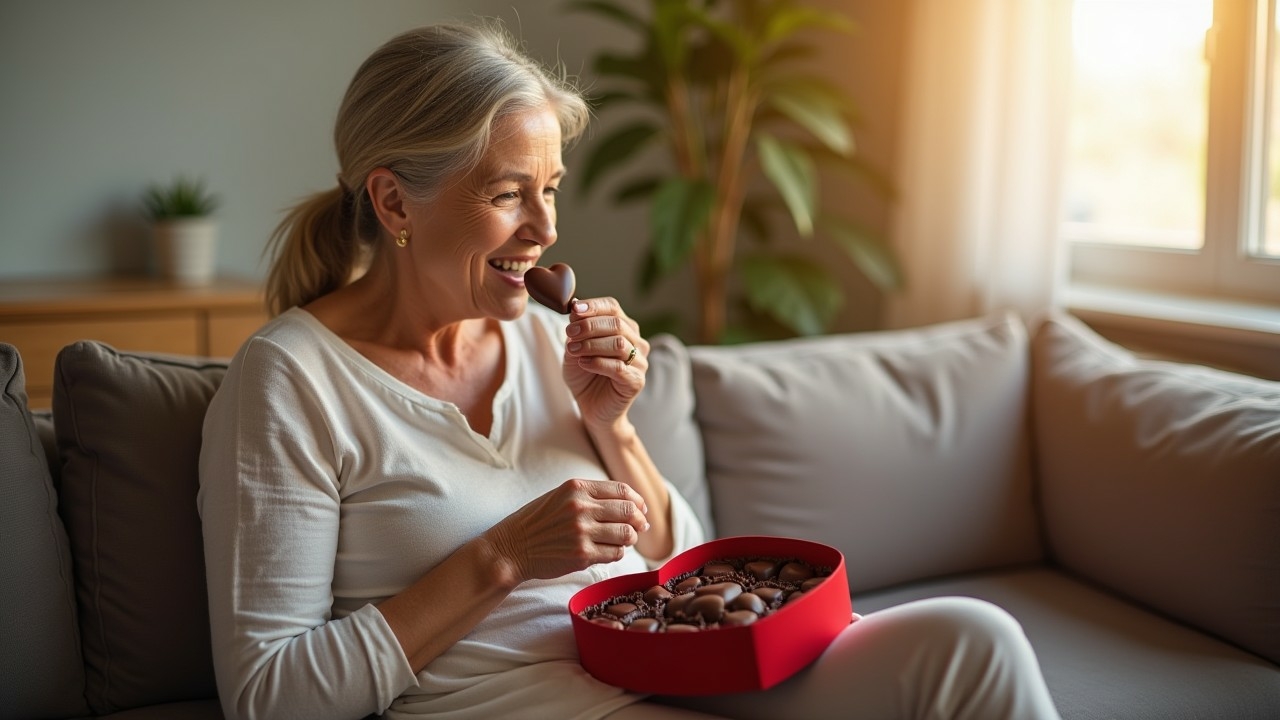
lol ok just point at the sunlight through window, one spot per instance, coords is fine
(1268, 240)
(1139, 123)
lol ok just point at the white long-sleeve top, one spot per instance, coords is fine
(327, 485)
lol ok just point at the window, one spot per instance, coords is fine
(1173, 164)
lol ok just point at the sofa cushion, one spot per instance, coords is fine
(1103, 657)
(906, 450)
(663, 417)
(128, 429)
(1155, 472)
(41, 674)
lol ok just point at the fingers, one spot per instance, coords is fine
(601, 333)
(576, 525)
(617, 502)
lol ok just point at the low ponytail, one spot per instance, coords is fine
(314, 251)
(421, 106)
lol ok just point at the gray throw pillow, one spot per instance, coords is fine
(129, 431)
(663, 416)
(906, 450)
(1161, 481)
(41, 673)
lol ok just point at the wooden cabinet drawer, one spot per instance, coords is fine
(42, 316)
(229, 330)
(39, 342)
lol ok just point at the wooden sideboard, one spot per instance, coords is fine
(40, 317)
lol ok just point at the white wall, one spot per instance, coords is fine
(98, 99)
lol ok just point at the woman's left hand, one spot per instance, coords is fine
(598, 364)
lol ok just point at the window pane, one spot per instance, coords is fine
(1139, 114)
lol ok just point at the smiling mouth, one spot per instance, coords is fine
(515, 267)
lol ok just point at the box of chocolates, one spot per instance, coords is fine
(731, 615)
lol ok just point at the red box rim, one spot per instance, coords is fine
(737, 659)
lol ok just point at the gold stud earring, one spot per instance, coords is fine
(403, 239)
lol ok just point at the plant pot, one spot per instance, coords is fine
(186, 250)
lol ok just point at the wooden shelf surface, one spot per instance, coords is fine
(98, 295)
(41, 316)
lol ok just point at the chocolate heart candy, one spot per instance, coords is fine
(552, 286)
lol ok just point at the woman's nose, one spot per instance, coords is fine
(541, 222)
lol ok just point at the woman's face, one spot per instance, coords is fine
(472, 243)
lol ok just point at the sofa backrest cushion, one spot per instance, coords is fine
(906, 450)
(129, 430)
(1161, 481)
(41, 674)
(663, 417)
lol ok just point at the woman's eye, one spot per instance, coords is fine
(513, 195)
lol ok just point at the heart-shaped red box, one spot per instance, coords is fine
(723, 660)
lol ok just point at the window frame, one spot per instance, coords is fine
(1239, 88)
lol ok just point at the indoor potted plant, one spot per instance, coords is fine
(722, 89)
(184, 232)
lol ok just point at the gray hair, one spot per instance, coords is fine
(424, 106)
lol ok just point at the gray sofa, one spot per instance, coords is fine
(1126, 511)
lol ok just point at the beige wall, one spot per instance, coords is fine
(97, 99)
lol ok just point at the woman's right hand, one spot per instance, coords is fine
(578, 524)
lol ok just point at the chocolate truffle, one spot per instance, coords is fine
(762, 569)
(726, 590)
(794, 572)
(656, 593)
(716, 569)
(738, 617)
(644, 624)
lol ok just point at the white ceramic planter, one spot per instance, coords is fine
(186, 250)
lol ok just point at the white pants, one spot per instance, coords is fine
(937, 658)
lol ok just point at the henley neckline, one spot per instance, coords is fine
(491, 442)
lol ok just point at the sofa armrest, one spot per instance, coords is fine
(1161, 481)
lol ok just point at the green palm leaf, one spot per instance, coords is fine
(639, 189)
(867, 252)
(816, 111)
(794, 290)
(788, 19)
(791, 171)
(614, 150)
(679, 213)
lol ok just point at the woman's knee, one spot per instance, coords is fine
(961, 615)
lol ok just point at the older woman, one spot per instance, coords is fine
(409, 471)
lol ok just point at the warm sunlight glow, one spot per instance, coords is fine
(1136, 163)
(1268, 243)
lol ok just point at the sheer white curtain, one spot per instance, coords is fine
(981, 157)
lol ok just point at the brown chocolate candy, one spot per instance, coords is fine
(656, 593)
(726, 590)
(738, 618)
(621, 610)
(645, 624)
(725, 593)
(552, 286)
(708, 607)
(762, 569)
(676, 605)
(716, 569)
(769, 594)
(749, 601)
(794, 572)
(810, 584)
(688, 584)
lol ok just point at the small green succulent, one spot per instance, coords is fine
(181, 198)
